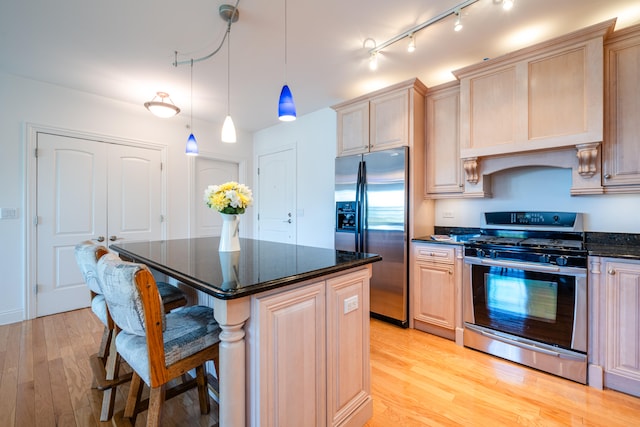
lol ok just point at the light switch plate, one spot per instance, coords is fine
(8, 213)
(350, 304)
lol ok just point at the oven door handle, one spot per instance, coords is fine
(513, 341)
(517, 264)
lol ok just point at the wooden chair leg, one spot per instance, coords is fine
(203, 392)
(135, 392)
(105, 343)
(112, 368)
(156, 402)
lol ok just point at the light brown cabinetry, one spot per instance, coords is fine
(443, 165)
(389, 118)
(615, 324)
(547, 98)
(311, 359)
(621, 151)
(435, 288)
(379, 120)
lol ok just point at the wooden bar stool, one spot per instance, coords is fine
(158, 347)
(105, 364)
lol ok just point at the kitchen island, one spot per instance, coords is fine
(295, 326)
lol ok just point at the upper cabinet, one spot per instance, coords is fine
(533, 101)
(443, 165)
(621, 150)
(379, 120)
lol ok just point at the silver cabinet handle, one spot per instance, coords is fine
(99, 239)
(113, 238)
(607, 176)
(611, 271)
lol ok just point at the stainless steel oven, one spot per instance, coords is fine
(525, 296)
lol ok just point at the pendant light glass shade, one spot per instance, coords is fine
(192, 146)
(161, 108)
(228, 131)
(286, 106)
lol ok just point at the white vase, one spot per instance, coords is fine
(229, 238)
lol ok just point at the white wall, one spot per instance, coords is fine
(314, 136)
(544, 189)
(26, 101)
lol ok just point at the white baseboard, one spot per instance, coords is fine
(11, 316)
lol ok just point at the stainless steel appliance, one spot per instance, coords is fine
(525, 291)
(371, 195)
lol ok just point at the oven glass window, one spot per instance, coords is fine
(533, 305)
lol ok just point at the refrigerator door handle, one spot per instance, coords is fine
(356, 234)
(364, 247)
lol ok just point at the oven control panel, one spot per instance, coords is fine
(539, 219)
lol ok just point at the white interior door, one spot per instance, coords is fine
(277, 196)
(89, 190)
(210, 172)
(71, 207)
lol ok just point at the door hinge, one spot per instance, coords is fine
(161, 166)
(258, 217)
(161, 218)
(35, 289)
(258, 171)
(35, 153)
(35, 220)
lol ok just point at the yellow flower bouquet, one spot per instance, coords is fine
(228, 198)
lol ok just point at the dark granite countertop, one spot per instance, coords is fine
(613, 245)
(257, 267)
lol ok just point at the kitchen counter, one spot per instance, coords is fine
(279, 305)
(613, 245)
(257, 267)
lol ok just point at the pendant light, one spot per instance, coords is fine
(192, 144)
(161, 108)
(228, 129)
(286, 106)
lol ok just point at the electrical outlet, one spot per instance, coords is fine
(350, 304)
(447, 214)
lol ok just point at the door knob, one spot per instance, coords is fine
(99, 239)
(288, 220)
(113, 238)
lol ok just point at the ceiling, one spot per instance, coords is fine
(124, 49)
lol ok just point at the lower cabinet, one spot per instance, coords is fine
(615, 324)
(311, 359)
(436, 289)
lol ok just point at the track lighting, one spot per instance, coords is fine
(412, 43)
(228, 133)
(458, 24)
(373, 61)
(507, 4)
(161, 108)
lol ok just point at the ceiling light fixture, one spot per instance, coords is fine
(412, 43)
(161, 108)
(228, 129)
(192, 144)
(456, 10)
(373, 61)
(458, 24)
(229, 14)
(507, 4)
(286, 106)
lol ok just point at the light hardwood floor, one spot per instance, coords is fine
(417, 380)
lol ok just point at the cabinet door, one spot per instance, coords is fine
(291, 357)
(353, 129)
(622, 359)
(434, 298)
(348, 369)
(389, 120)
(443, 165)
(621, 153)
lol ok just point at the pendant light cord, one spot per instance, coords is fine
(285, 41)
(229, 70)
(191, 96)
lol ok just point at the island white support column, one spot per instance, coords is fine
(232, 315)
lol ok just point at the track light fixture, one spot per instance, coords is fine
(458, 24)
(412, 43)
(411, 33)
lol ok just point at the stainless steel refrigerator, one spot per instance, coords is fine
(371, 196)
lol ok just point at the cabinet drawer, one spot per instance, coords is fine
(434, 253)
